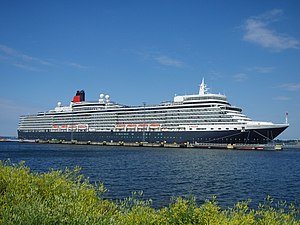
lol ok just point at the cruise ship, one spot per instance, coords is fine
(198, 118)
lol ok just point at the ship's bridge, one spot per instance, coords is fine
(206, 97)
(203, 96)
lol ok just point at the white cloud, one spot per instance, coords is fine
(77, 65)
(168, 61)
(27, 62)
(282, 98)
(259, 69)
(214, 75)
(240, 77)
(258, 31)
(27, 67)
(291, 86)
(160, 58)
(21, 56)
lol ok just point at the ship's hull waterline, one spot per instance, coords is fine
(257, 136)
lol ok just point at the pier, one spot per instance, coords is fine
(255, 147)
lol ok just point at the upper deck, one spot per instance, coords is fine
(202, 99)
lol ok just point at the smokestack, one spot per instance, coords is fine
(78, 97)
(82, 96)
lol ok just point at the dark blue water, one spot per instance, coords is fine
(164, 173)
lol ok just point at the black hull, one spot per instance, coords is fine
(257, 136)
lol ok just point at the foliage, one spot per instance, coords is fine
(65, 197)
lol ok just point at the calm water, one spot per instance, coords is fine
(162, 173)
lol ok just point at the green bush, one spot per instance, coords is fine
(65, 197)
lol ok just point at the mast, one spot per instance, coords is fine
(203, 88)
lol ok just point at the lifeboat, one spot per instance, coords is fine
(72, 127)
(131, 126)
(82, 126)
(142, 125)
(153, 126)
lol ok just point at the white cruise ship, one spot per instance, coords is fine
(197, 118)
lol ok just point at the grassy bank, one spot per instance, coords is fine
(64, 197)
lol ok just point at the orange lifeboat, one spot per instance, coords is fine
(72, 126)
(155, 125)
(82, 126)
(142, 125)
(131, 126)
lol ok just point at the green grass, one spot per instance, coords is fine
(65, 197)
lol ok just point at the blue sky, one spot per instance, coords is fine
(147, 51)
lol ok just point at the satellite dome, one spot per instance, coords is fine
(101, 95)
(106, 96)
(59, 104)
